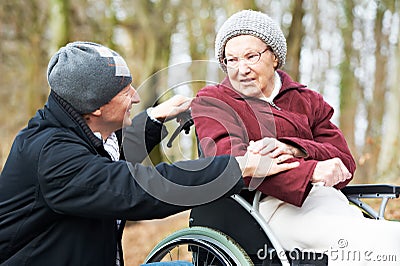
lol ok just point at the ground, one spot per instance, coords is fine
(140, 237)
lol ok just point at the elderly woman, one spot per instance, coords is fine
(260, 108)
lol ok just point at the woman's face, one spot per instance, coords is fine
(250, 79)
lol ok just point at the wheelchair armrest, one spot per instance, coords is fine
(372, 189)
(382, 191)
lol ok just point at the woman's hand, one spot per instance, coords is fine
(330, 172)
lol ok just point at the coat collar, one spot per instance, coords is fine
(287, 84)
(69, 118)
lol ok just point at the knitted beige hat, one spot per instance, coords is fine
(249, 22)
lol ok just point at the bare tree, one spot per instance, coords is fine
(349, 86)
(388, 165)
(374, 105)
(294, 40)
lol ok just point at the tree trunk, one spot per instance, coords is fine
(389, 158)
(376, 107)
(59, 24)
(294, 40)
(348, 84)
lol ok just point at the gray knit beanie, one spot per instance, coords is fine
(249, 22)
(87, 75)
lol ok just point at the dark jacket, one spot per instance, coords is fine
(60, 193)
(298, 116)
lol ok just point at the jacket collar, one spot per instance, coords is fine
(287, 84)
(69, 118)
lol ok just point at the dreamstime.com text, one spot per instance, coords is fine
(339, 253)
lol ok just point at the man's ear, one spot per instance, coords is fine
(96, 112)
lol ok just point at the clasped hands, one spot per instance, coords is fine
(268, 156)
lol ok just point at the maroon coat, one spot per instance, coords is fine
(226, 121)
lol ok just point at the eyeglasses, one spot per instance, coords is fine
(250, 59)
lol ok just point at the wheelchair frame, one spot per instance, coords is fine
(355, 194)
(229, 252)
(216, 243)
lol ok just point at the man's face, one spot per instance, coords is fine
(252, 80)
(116, 113)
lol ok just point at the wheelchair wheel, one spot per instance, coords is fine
(201, 246)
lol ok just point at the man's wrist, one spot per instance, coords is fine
(242, 161)
(150, 115)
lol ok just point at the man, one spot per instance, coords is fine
(64, 190)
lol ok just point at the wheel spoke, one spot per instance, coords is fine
(197, 255)
(212, 260)
(170, 255)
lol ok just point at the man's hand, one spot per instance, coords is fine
(171, 108)
(330, 172)
(275, 147)
(257, 165)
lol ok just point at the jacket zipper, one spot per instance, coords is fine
(274, 105)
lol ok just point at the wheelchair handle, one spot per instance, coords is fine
(185, 122)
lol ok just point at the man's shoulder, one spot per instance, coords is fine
(37, 139)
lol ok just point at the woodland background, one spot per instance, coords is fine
(348, 50)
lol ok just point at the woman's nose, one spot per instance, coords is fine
(243, 67)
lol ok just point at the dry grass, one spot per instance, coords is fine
(139, 238)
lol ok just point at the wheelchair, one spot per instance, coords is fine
(230, 231)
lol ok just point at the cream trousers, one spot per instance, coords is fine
(327, 223)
